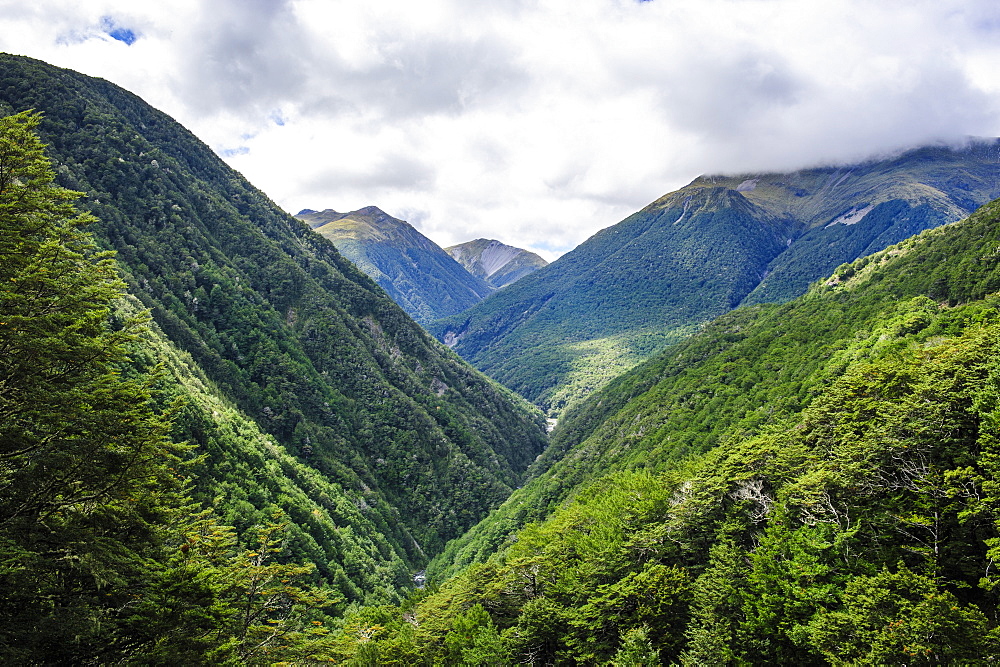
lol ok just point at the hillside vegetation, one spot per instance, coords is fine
(808, 483)
(106, 556)
(414, 271)
(652, 279)
(308, 400)
(222, 443)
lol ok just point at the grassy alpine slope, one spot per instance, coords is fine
(695, 254)
(814, 482)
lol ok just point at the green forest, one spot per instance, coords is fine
(105, 554)
(696, 253)
(813, 483)
(309, 426)
(221, 443)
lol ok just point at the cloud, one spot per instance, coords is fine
(537, 122)
(243, 57)
(389, 172)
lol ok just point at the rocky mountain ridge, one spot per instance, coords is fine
(497, 263)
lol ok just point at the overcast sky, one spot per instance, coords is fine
(533, 122)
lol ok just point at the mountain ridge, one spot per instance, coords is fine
(810, 482)
(699, 251)
(794, 483)
(284, 328)
(416, 273)
(495, 262)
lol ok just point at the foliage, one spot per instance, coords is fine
(82, 453)
(859, 532)
(583, 311)
(900, 618)
(100, 557)
(805, 483)
(285, 330)
(250, 480)
(694, 254)
(417, 273)
(754, 368)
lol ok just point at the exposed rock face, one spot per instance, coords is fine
(497, 263)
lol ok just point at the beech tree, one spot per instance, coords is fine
(104, 557)
(84, 478)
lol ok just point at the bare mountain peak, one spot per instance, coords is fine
(494, 261)
(366, 222)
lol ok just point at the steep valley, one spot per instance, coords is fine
(311, 400)
(221, 442)
(803, 483)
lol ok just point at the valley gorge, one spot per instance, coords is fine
(225, 441)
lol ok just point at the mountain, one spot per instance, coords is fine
(497, 263)
(719, 242)
(421, 277)
(813, 482)
(310, 398)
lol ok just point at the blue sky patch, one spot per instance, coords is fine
(233, 152)
(112, 29)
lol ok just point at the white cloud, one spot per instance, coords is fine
(535, 122)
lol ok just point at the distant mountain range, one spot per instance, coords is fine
(694, 254)
(419, 276)
(497, 263)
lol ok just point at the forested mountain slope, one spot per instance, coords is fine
(696, 253)
(282, 327)
(416, 272)
(758, 365)
(107, 555)
(807, 483)
(497, 263)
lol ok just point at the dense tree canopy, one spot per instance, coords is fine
(863, 530)
(303, 348)
(719, 242)
(103, 555)
(800, 484)
(84, 482)
(808, 483)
